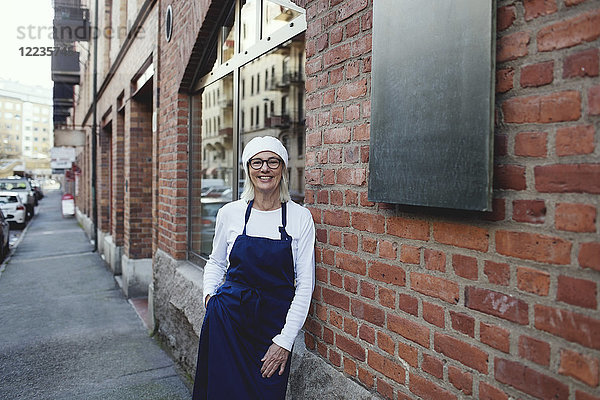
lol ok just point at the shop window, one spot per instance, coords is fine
(256, 36)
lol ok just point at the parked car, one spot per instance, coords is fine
(23, 188)
(37, 189)
(210, 207)
(13, 208)
(4, 237)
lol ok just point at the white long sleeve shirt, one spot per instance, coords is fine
(230, 223)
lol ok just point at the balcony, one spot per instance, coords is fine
(283, 81)
(65, 67)
(71, 24)
(277, 121)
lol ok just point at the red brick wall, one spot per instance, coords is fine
(138, 178)
(118, 181)
(413, 302)
(173, 177)
(103, 177)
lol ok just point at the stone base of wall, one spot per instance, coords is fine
(136, 276)
(85, 222)
(179, 311)
(112, 254)
(312, 378)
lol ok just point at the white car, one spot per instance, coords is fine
(12, 207)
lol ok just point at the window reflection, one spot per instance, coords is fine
(248, 24)
(273, 106)
(228, 38)
(277, 14)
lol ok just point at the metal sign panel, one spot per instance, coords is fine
(432, 103)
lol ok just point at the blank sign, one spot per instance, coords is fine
(432, 88)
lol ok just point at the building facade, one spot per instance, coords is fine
(410, 301)
(26, 130)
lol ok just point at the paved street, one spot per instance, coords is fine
(66, 331)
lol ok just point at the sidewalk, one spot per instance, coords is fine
(66, 331)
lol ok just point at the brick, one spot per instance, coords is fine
(387, 250)
(575, 217)
(350, 326)
(575, 140)
(463, 323)
(408, 354)
(537, 74)
(351, 284)
(367, 312)
(509, 177)
(352, 90)
(535, 350)
(433, 366)
(433, 286)
(387, 298)
(387, 273)
(349, 367)
(578, 292)
(570, 32)
(386, 343)
(336, 135)
(367, 333)
(505, 17)
(528, 380)
(351, 242)
(369, 244)
(568, 178)
(511, 47)
(531, 211)
(373, 223)
(336, 218)
(504, 80)
(408, 228)
(410, 254)
(351, 176)
(336, 299)
(497, 273)
(589, 255)
(466, 236)
(569, 325)
(335, 56)
(327, 335)
(495, 336)
(408, 304)
(497, 304)
(531, 246)
(385, 389)
(435, 260)
(581, 64)
(465, 266)
(408, 329)
(579, 395)
(582, 367)
(531, 144)
(386, 366)
(463, 381)
(335, 358)
(500, 145)
(538, 8)
(570, 3)
(594, 100)
(351, 263)
(551, 108)
(366, 377)
(428, 390)
(434, 314)
(488, 392)
(462, 352)
(350, 347)
(367, 289)
(533, 281)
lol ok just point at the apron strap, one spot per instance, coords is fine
(284, 234)
(248, 209)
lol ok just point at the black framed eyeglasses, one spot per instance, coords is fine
(257, 163)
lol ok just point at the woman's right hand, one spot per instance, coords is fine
(206, 300)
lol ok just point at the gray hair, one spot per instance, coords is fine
(284, 191)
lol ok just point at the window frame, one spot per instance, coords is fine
(261, 46)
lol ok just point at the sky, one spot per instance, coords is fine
(25, 24)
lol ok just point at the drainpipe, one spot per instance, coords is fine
(94, 129)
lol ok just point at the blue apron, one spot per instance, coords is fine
(242, 318)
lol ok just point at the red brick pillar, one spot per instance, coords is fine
(103, 177)
(138, 179)
(118, 179)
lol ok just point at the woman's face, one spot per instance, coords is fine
(265, 179)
